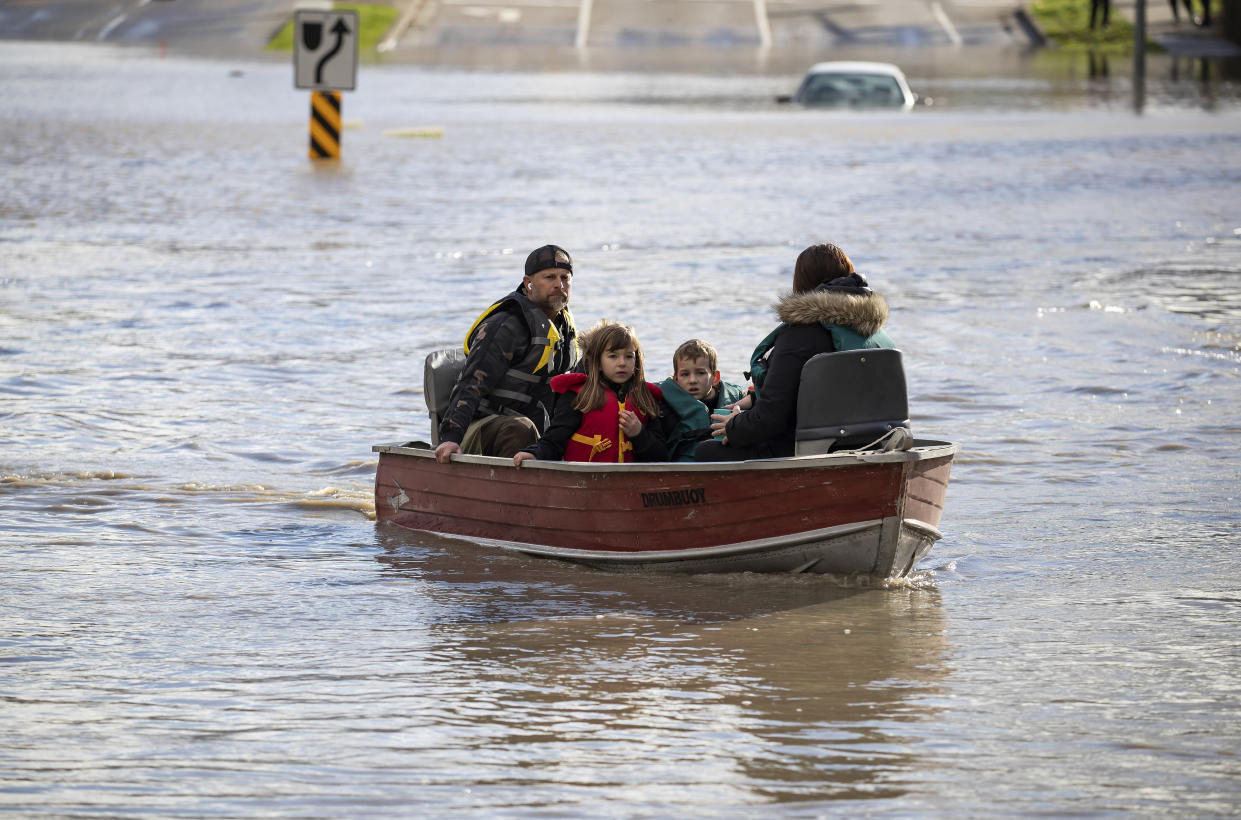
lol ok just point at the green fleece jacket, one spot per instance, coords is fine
(689, 420)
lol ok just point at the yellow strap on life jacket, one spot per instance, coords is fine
(597, 443)
(469, 334)
(553, 335)
(552, 338)
(625, 444)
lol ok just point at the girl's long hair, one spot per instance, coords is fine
(601, 338)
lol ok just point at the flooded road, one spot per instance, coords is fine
(202, 333)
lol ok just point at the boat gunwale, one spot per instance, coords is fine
(922, 450)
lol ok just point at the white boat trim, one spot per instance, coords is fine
(756, 546)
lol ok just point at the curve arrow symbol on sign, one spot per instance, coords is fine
(340, 30)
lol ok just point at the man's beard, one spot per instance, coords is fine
(555, 303)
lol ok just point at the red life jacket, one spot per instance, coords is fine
(599, 437)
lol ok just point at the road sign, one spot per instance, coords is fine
(325, 125)
(325, 50)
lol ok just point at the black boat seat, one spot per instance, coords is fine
(439, 376)
(851, 398)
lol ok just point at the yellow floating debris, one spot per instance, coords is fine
(355, 124)
(432, 131)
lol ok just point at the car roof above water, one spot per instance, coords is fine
(855, 67)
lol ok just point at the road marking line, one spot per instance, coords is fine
(940, 17)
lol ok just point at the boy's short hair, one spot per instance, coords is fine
(695, 349)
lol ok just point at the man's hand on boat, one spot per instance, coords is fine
(443, 453)
(522, 456)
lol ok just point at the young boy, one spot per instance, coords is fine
(692, 394)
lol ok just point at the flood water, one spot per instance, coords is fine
(202, 334)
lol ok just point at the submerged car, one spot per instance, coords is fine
(854, 84)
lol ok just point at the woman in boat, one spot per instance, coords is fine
(830, 308)
(609, 413)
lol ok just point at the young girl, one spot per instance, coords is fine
(610, 412)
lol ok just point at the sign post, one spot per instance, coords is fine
(1139, 55)
(325, 60)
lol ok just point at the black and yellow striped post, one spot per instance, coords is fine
(325, 125)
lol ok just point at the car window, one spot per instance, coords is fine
(851, 89)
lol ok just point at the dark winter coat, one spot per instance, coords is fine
(767, 429)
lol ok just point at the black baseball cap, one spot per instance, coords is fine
(548, 256)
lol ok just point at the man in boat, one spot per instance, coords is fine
(502, 399)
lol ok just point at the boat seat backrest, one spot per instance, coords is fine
(438, 379)
(847, 399)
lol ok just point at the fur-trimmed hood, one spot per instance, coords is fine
(864, 314)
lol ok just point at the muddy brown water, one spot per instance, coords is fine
(201, 335)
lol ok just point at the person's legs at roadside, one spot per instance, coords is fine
(1095, 7)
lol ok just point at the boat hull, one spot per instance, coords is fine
(845, 513)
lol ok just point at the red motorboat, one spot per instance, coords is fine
(864, 511)
(855, 512)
